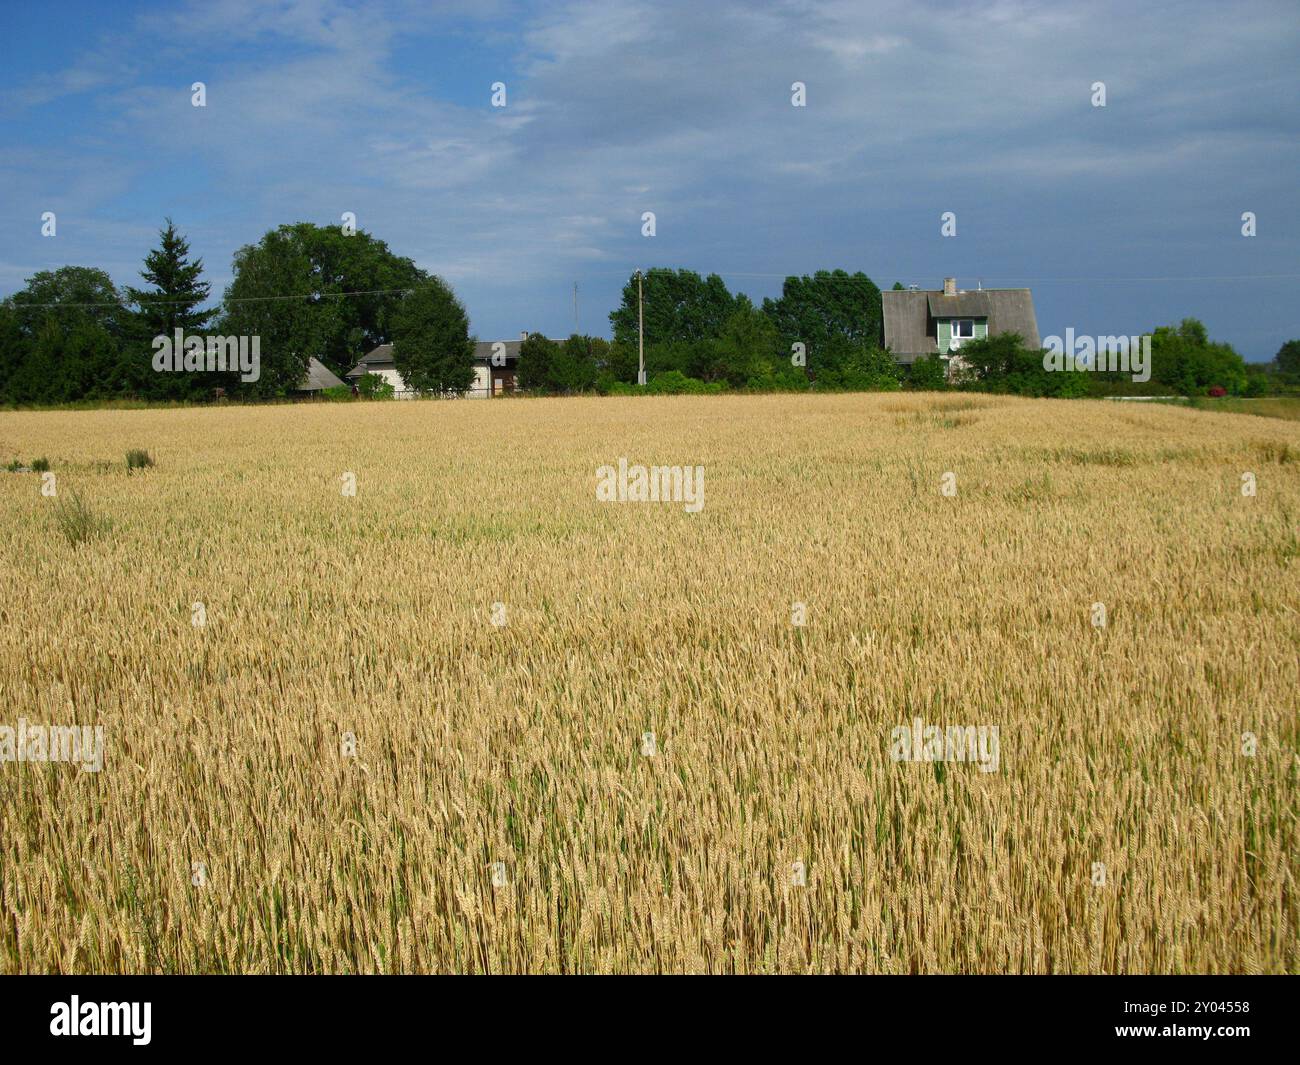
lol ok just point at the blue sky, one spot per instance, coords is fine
(621, 106)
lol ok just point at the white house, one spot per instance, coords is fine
(495, 365)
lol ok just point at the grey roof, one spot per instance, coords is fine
(318, 376)
(483, 349)
(374, 359)
(910, 330)
(963, 305)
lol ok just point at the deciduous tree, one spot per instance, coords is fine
(432, 348)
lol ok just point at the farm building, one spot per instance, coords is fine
(919, 323)
(319, 377)
(492, 377)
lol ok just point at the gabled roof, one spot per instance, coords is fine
(319, 376)
(910, 330)
(376, 359)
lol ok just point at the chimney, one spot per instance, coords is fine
(950, 286)
(523, 334)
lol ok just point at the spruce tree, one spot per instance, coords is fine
(174, 302)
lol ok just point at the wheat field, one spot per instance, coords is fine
(408, 734)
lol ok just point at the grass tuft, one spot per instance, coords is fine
(138, 459)
(77, 520)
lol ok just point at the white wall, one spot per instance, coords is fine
(482, 382)
(394, 379)
(477, 390)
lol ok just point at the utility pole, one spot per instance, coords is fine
(575, 307)
(640, 332)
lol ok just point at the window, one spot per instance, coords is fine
(963, 328)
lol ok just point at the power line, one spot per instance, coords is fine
(1009, 277)
(149, 302)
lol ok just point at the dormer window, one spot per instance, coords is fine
(963, 328)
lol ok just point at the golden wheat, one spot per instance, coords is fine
(232, 830)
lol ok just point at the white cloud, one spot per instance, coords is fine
(621, 106)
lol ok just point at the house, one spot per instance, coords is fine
(495, 366)
(920, 323)
(379, 361)
(319, 377)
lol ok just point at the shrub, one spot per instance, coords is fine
(1258, 382)
(337, 394)
(863, 368)
(372, 386)
(619, 388)
(138, 459)
(1001, 363)
(37, 466)
(782, 377)
(676, 383)
(1185, 359)
(928, 374)
(77, 521)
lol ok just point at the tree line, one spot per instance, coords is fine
(304, 290)
(825, 332)
(701, 337)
